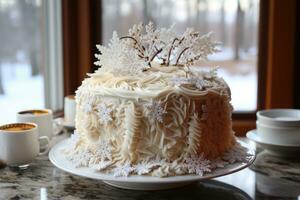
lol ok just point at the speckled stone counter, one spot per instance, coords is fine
(269, 178)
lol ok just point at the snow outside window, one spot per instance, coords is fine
(30, 73)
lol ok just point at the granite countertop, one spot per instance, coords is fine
(269, 177)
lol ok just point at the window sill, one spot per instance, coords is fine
(241, 126)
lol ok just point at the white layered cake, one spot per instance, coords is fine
(148, 111)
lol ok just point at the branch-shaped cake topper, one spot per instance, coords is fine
(137, 51)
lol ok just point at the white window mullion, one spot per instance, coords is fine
(53, 59)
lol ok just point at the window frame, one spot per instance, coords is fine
(274, 52)
(81, 31)
(52, 55)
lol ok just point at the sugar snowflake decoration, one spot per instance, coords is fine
(211, 74)
(143, 168)
(177, 81)
(202, 84)
(157, 110)
(218, 163)
(200, 80)
(100, 166)
(104, 113)
(122, 170)
(147, 167)
(119, 58)
(134, 53)
(192, 164)
(104, 149)
(197, 164)
(80, 158)
(197, 82)
(87, 107)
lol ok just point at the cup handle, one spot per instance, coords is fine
(45, 151)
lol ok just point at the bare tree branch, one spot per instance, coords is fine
(178, 58)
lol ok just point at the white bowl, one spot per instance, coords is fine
(279, 117)
(278, 135)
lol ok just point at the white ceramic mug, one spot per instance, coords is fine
(19, 143)
(70, 109)
(279, 117)
(279, 126)
(42, 117)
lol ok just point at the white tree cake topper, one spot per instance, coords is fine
(134, 53)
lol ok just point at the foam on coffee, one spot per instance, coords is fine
(17, 127)
(34, 112)
(70, 96)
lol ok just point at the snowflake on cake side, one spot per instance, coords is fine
(87, 101)
(157, 110)
(99, 160)
(104, 149)
(87, 107)
(104, 113)
(133, 54)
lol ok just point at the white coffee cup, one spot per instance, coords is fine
(70, 109)
(42, 117)
(278, 135)
(19, 143)
(279, 126)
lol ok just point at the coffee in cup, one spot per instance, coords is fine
(17, 128)
(42, 117)
(35, 112)
(19, 144)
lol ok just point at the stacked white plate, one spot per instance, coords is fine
(278, 131)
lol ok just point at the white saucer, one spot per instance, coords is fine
(136, 182)
(282, 149)
(61, 121)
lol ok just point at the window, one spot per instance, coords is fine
(234, 23)
(276, 21)
(29, 70)
(21, 80)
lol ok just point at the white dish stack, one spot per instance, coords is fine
(278, 131)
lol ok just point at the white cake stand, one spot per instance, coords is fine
(136, 182)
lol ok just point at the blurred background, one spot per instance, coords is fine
(23, 39)
(21, 69)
